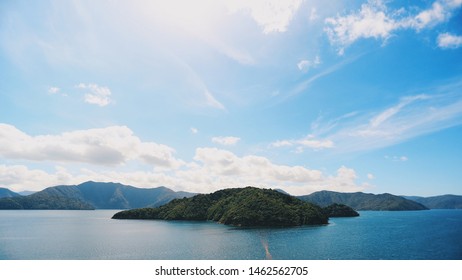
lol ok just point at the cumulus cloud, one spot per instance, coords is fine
(113, 145)
(439, 12)
(95, 94)
(226, 141)
(375, 20)
(271, 16)
(221, 168)
(194, 130)
(210, 170)
(449, 41)
(371, 21)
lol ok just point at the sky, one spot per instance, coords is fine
(301, 95)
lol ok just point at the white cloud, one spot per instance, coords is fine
(313, 143)
(308, 142)
(211, 169)
(389, 113)
(20, 177)
(53, 90)
(439, 12)
(96, 94)
(282, 143)
(374, 20)
(449, 41)
(371, 21)
(222, 168)
(305, 65)
(370, 176)
(397, 158)
(226, 141)
(270, 15)
(113, 145)
(313, 14)
(194, 130)
(413, 116)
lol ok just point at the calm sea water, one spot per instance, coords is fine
(434, 234)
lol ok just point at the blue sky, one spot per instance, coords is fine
(299, 95)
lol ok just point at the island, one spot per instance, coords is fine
(245, 207)
(339, 210)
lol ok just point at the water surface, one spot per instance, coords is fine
(43, 234)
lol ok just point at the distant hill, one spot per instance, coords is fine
(363, 201)
(240, 207)
(26, 192)
(4, 192)
(447, 201)
(339, 210)
(93, 195)
(44, 201)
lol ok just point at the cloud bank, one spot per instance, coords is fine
(112, 154)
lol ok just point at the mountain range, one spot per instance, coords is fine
(447, 201)
(93, 195)
(96, 195)
(363, 201)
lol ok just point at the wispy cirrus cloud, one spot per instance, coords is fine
(375, 20)
(306, 83)
(412, 116)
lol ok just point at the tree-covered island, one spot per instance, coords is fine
(239, 207)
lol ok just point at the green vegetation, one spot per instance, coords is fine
(339, 210)
(240, 207)
(447, 201)
(7, 193)
(44, 201)
(364, 201)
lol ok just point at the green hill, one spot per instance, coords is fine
(339, 210)
(93, 195)
(44, 201)
(363, 201)
(447, 201)
(240, 207)
(4, 192)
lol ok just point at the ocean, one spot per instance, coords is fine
(93, 235)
